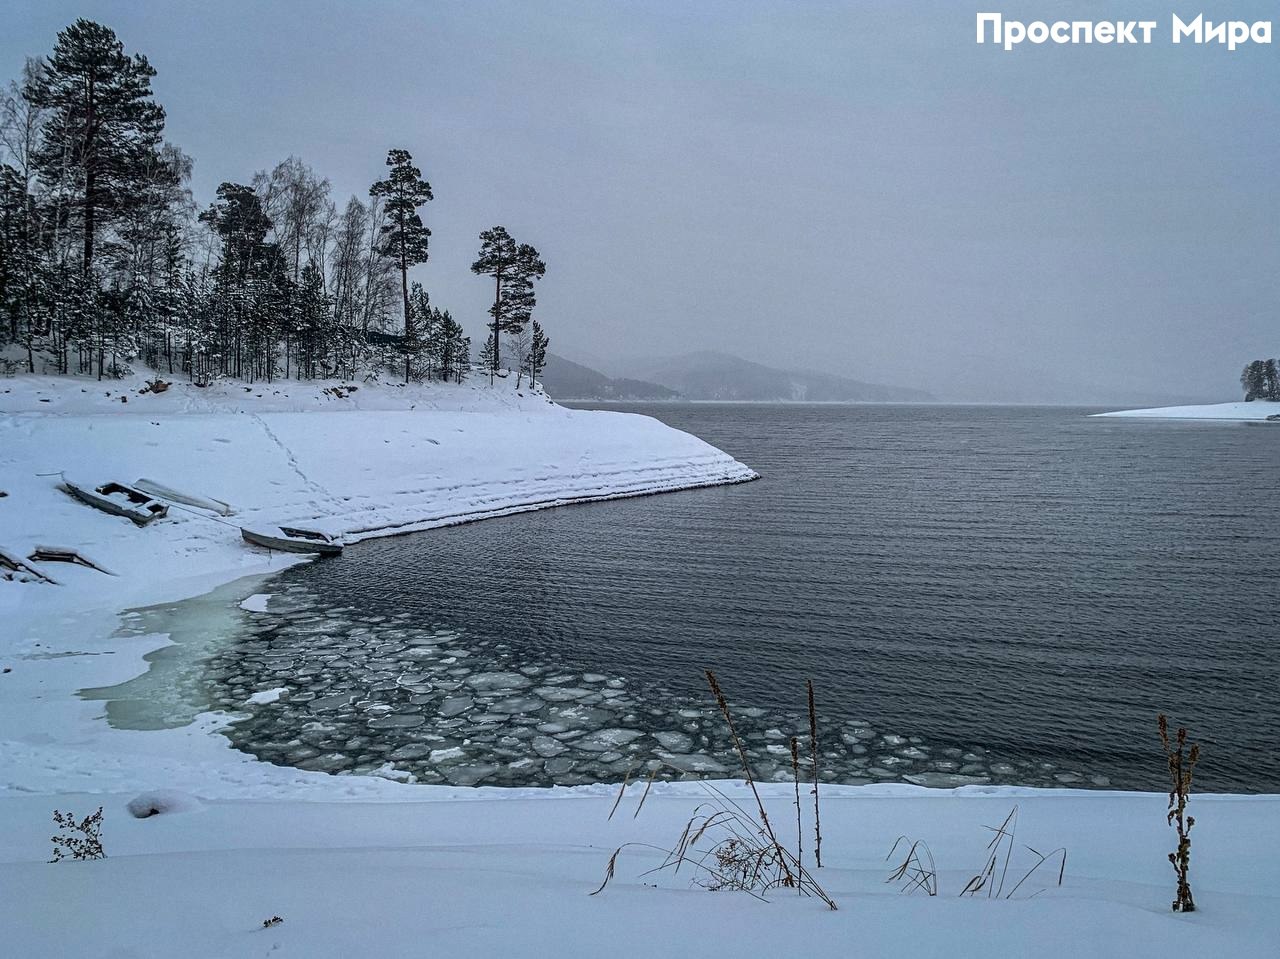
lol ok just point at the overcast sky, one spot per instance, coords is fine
(852, 187)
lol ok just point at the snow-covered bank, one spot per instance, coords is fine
(370, 461)
(509, 874)
(1244, 412)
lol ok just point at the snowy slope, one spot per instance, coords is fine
(376, 461)
(373, 462)
(1258, 410)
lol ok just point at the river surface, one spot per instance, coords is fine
(980, 594)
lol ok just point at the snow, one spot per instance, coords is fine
(266, 696)
(510, 872)
(378, 865)
(383, 460)
(1247, 412)
(161, 802)
(257, 603)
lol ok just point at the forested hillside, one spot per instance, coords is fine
(108, 262)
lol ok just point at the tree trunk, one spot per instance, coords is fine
(408, 319)
(90, 176)
(497, 312)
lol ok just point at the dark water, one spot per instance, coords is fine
(1007, 593)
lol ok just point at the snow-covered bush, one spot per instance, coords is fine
(161, 802)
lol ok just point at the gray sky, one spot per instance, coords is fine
(852, 187)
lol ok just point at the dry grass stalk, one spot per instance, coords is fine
(788, 879)
(1002, 841)
(727, 847)
(625, 779)
(1001, 853)
(795, 776)
(813, 740)
(1182, 765)
(917, 870)
(1041, 859)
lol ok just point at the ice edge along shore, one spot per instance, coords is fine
(373, 461)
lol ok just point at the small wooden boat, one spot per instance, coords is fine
(14, 569)
(64, 554)
(120, 500)
(187, 499)
(290, 539)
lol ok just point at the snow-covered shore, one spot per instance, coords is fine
(380, 460)
(509, 874)
(369, 866)
(373, 461)
(1256, 411)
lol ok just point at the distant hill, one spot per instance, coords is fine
(721, 376)
(566, 380)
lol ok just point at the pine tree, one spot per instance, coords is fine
(314, 314)
(1271, 380)
(462, 354)
(1254, 381)
(454, 349)
(537, 360)
(417, 338)
(489, 358)
(404, 239)
(513, 267)
(103, 125)
(251, 291)
(527, 268)
(17, 262)
(497, 258)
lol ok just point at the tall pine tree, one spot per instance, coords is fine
(513, 267)
(103, 127)
(403, 237)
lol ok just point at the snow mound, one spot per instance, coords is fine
(161, 803)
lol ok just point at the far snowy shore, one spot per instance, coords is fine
(1259, 410)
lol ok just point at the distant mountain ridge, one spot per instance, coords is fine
(566, 380)
(710, 375)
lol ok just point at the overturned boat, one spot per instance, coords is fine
(291, 539)
(65, 554)
(120, 500)
(14, 569)
(161, 491)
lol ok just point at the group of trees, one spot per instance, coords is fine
(1261, 380)
(106, 259)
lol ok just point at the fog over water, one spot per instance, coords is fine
(857, 188)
